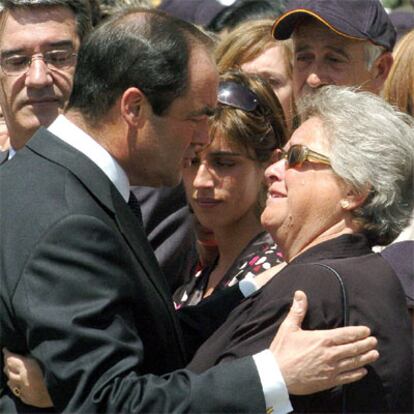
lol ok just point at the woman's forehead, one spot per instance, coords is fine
(312, 133)
(221, 141)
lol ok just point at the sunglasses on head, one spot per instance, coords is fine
(297, 154)
(237, 96)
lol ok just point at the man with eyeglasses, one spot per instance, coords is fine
(39, 41)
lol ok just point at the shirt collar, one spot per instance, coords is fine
(12, 153)
(79, 139)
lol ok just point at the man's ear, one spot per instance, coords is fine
(380, 70)
(132, 101)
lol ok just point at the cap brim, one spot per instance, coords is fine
(285, 25)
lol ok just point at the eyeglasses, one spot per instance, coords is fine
(16, 65)
(237, 95)
(297, 154)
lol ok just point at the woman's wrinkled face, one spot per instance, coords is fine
(223, 184)
(303, 201)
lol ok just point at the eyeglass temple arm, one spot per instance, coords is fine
(319, 157)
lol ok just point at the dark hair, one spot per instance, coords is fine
(144, 48)
(96, 12)
(111, 7)
(243, 10)
(81, 9)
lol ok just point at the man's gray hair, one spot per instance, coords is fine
(81, 9)
(371, 147)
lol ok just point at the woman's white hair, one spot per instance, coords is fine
(371, 147)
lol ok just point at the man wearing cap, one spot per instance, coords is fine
(337, 42)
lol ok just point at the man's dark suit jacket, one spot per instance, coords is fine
(375, 298)
(82, 293)
(169, 228)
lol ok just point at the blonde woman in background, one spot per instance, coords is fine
(399, 86)
(399, 91)
(251, 48)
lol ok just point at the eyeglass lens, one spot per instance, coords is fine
(56, 59)
(296, 155)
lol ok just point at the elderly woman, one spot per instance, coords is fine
(343, 183)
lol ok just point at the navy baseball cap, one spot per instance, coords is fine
(355, 19)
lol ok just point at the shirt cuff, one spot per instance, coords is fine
(274, 388)
(248, 286)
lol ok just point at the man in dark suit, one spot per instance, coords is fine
(35, 100)
(81, 292)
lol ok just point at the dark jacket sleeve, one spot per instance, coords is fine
(81, 323)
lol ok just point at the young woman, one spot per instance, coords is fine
(225, 184)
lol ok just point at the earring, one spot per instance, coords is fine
(344, 204)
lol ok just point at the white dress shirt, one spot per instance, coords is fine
(11, 154)
(274, 387)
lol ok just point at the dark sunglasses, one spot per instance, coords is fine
(296, 155)
(237, 95)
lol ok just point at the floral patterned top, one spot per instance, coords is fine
(259, 255)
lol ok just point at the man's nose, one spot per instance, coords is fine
(318, 77)
(38, 74)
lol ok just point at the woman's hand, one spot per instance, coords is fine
(26, 380)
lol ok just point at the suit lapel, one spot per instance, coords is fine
(93, 178)
(47, 145)
(4, 155)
